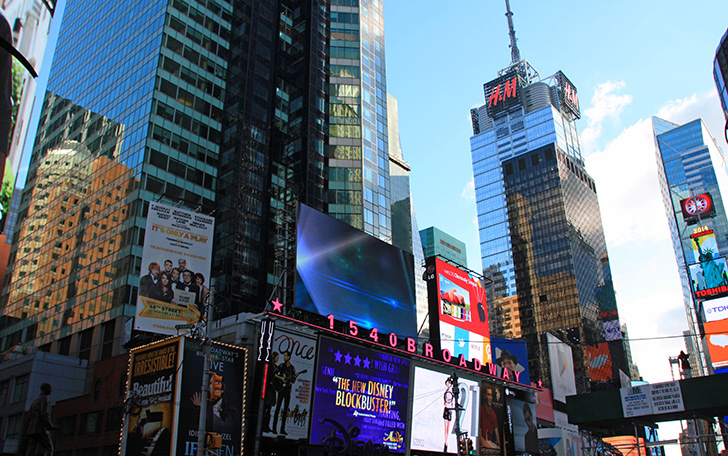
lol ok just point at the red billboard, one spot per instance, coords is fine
(600, 362)
(458, 311)
(698, 206)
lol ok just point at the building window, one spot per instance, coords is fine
(15, 424)
(90, 423)
(84, 349)
(64, 346)
(107, 339)
(20, 390)
(4, 388)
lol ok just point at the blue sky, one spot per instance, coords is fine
(628, 60)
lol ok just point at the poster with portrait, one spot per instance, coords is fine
(523, 421)
(289, 385)
(434, 427)
(511, 355)
(360, 395)
(492, 435)
(224, 414)
(152, 387)
(174, 281)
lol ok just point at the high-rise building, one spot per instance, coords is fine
(720, 72)
(691, 174)
(542, 241)
(436, 242)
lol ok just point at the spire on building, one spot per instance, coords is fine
(515, 54)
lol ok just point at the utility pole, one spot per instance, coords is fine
(206, 347)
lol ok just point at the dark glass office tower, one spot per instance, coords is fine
(541, 235)
(720, 72)
(132, 114)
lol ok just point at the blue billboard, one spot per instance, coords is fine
(360, 397)
(511, 355)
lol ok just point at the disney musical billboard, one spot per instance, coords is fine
(360, 397)
(458, 311)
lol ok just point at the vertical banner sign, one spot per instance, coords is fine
(224, 414)
(361, 398)
(149, 426)
(492, 437)
(289, 385)
(175, 269)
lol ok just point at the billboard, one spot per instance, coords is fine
(224, 415)
(715, 309)
(561, 362)
(360, 395)
(703, 243)
(434, 428)
(568, 96)
(716, 335)
(289, 386)
(152, 389)
(458, 311)
(600, 362)
(175, 269)
(492, 439)
(523, 422)
(511, 359)
(697, 207)
(345, 272)
(709, 277)
(502, 94)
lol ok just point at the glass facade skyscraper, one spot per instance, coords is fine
(692, 168)
(542, 242)
(720, 72)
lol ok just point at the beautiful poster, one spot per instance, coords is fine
(289, 386)
(434, 427)
(361, 395)
(149, 426)
(174, 282)
(492, 435)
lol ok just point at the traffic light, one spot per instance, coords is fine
(213, 441)
(463, 447)
(215, 386)
(471, 450)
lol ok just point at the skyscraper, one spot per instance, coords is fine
(541, 235)
(691, 174)
(720, 72)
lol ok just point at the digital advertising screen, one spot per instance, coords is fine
(360, 388)
(709, 277)
(458, 311)
(347, 273)
(177, 253)
(289, 386)
(716, 334)
(492, 433)
(715, 309)
(600, 362)
(561, 362)
(153, 382)
(697, 207)
(523, 421)
(224, 414)
(433, 429)
(511, 355)
(703, 243)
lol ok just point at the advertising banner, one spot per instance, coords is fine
(558, 442)
(703, 243)
(492, 437)
(715, 309)
(544, 404)
(175, 269)
(716, 334)
(562, 368)
(600, 361)
(434, 428)
(709, 277)
(697, 207)
(501, 94)
(511, 355)
(523, 420)
(651, 399)
(225, 414)
(149, 426)
(289, 386)
(458, 311)
(361, 397)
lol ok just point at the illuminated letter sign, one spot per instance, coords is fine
(568, 95)
(501, 93)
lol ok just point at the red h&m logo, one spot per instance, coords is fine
(571, 95)
(508, 91)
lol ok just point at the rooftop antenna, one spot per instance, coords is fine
(515, 54)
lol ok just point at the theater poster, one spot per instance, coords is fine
(361, 397)
(175, 276)
(289, 386)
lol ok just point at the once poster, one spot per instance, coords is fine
(289, 386)
(173, 286)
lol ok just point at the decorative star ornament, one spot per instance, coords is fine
(277, 306)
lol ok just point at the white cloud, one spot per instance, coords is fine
(469, 191)
(605, 103)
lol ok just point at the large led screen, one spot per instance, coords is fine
(347, 273)
(715, 309)
(716, 334)
(703, 243)
(362, 388)
(600, 361)
(433, 428)
(492, 436)
(511, 355)
(458, 311)
(710, 276)
(562, 368)
(523, 420)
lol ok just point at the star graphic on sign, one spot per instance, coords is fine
(347, 358)
(357, 361)
(277, 306)
(366, 362)
(338, 356)
(540, 383)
